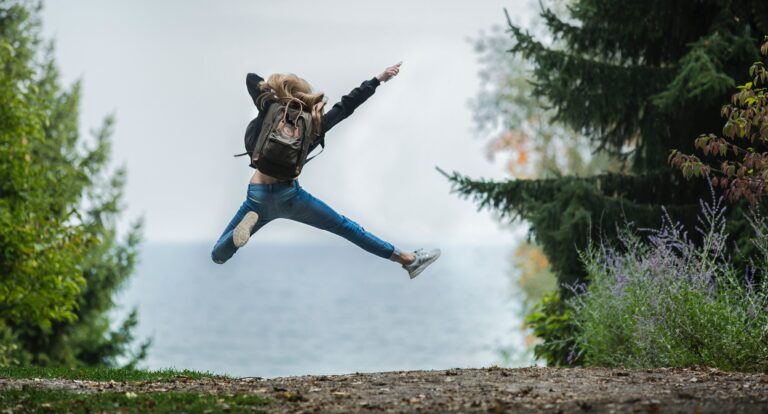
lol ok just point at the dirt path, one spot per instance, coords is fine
(523, 390)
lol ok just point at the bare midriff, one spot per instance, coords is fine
(259, 178)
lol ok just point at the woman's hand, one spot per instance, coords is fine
(389, 72)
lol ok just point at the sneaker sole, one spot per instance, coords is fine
(424, 266)
(243, 229)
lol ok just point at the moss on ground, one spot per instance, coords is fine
(32, 400)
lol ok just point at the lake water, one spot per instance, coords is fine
(322, 309)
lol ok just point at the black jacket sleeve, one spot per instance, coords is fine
(348, 103)
(252, 82)
(345, 107)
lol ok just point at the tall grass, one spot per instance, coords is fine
(661, 300)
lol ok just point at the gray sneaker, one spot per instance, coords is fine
(242, 231)
(423, 259)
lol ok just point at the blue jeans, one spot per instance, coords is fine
(289, 200)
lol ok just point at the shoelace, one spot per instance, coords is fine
(420, 256)
(417, 254)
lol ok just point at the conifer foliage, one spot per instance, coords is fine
(638, 78)
(60, 258)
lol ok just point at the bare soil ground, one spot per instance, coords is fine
(519, 390)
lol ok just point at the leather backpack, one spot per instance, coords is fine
(281, 147)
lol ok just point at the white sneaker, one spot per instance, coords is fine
(423, 259)
(242, 231)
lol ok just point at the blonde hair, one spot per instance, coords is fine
(280, 86)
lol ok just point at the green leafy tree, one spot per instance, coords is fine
(60, 258)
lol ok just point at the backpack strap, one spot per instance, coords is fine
(312, 157)
(322, 148)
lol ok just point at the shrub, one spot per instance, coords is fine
(552, 321)
(663, 301)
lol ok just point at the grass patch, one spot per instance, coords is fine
(31, 400)
(102, 374)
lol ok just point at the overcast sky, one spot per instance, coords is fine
(173, 72)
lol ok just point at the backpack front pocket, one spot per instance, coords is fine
(282, 150)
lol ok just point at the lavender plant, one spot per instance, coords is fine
(663, 301)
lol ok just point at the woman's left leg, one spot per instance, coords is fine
(307, 209)
(225, 247)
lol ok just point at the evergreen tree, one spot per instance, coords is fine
(60, 258)
(520, 131)
(637, 78)
(514, 121)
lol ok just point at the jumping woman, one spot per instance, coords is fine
(269, 197)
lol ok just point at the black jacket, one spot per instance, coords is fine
(339, 111)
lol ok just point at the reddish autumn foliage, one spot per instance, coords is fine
(737, 162)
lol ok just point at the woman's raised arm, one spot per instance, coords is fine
(349, 102)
